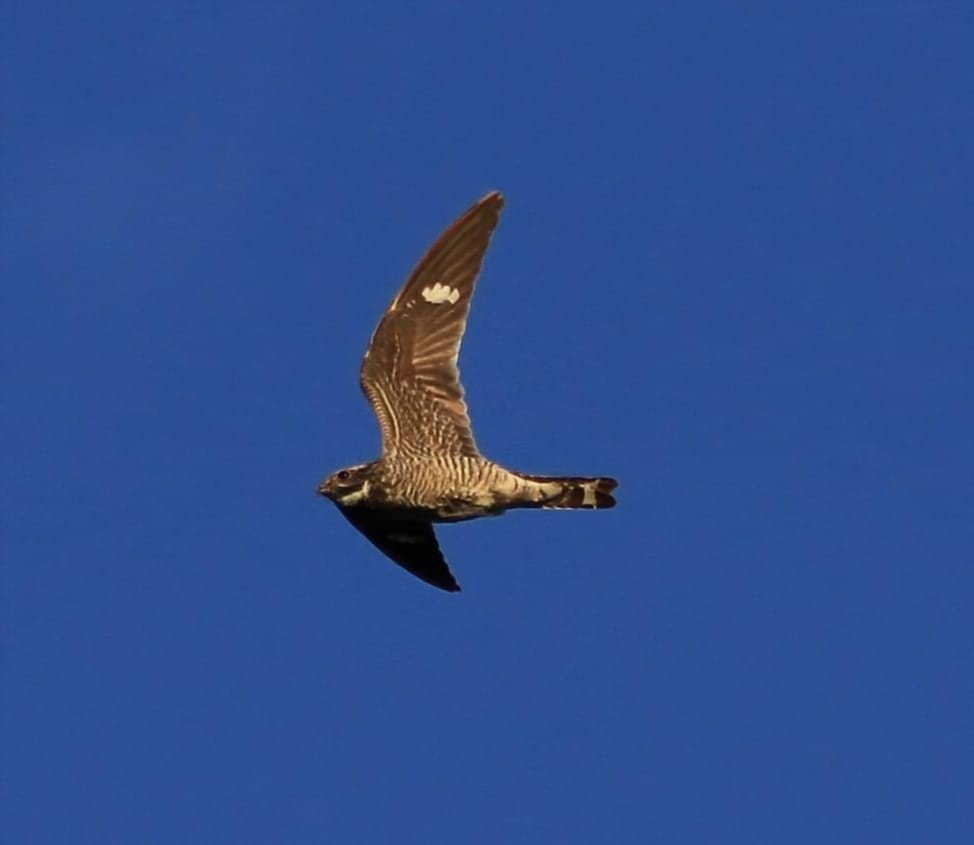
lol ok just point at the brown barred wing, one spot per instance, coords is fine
(410, 373)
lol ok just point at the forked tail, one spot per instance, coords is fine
(568, 492)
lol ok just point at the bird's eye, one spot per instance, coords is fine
(343, 475)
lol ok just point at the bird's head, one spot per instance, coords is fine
(347, 486)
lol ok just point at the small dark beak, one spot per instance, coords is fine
(322, 489)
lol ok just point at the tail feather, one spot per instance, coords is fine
(570, 492)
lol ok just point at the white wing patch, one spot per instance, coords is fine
(439, 293)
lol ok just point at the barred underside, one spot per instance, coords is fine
(430, 482)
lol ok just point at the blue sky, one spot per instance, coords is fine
(734, 271)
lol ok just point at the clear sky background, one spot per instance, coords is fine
(734, 271)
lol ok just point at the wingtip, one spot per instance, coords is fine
(445, 582)
(494, 198)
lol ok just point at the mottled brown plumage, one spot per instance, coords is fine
(430, 469)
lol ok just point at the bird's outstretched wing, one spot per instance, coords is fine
(412, 545)
(409, 373)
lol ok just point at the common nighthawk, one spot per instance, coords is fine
(430, 469)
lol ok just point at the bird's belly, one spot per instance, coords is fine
(457, 509)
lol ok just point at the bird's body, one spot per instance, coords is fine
(431, 470)
(453, 488)
(444, 488)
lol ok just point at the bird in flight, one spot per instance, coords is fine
(430, 469)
